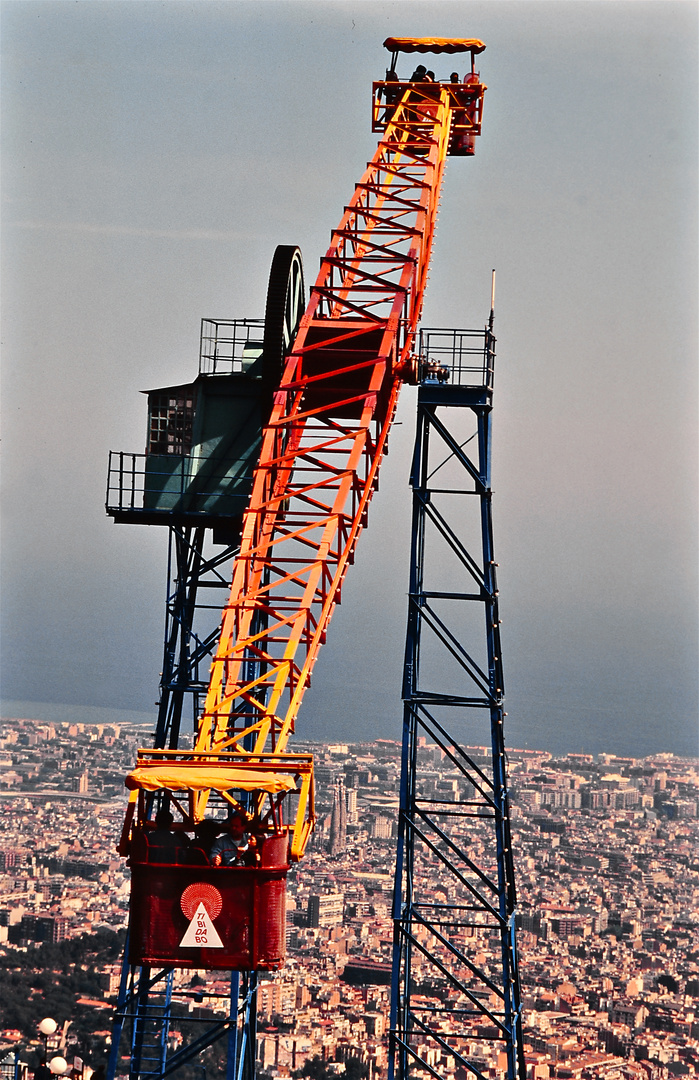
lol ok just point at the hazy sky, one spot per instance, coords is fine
(154, 154)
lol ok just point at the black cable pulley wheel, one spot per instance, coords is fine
(286, 303)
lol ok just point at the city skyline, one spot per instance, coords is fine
(607, 908)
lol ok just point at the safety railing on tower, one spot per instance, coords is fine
(230, 346)
(457, 357)
(157, 486)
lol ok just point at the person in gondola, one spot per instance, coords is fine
(230, 848)
(418, 76)
(165, 845)
(391, 95)
(205, 834)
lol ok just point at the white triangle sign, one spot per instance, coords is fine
(201, 932)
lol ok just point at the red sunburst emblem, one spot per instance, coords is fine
(201, 892)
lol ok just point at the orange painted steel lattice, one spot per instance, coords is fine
(326, 436)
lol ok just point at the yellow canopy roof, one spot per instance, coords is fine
(206, 778)
(436, 45)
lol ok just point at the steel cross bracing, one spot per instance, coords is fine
(144, 1005)
(327, 434)
(455, 975)
(196, 575)
(196, 578)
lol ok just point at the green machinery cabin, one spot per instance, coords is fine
(203, 437)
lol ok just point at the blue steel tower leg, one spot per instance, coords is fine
(454, 895)
(196, 578)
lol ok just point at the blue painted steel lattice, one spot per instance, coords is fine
(455, 992)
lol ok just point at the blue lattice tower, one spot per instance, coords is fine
(455, 976)
(197, 586)
(145, 1008)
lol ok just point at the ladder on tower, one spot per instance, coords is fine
(151, 1023)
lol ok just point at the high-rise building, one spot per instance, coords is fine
(352, 812)
(10, 857)
(81, 783)
(338, 821)
(325, 909)
(380, 827)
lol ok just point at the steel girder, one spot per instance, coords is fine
(317, 471)
(455, 972)
(318, 468)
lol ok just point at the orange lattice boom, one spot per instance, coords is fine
(328, 430)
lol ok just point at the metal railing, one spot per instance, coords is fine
(229, 346)
(457, 357)
(181, 484)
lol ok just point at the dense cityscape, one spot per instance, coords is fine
(608, 877)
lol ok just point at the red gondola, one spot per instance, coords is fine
(186, 912)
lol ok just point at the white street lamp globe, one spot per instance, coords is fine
(58, 1066)
(48, 1026)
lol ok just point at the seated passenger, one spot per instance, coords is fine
(232, 848)
(205, 834)
(164, 845)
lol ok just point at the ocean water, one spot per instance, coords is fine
(560, 723)
(49, 712)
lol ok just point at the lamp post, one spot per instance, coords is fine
(58, 1065)
(47, 1027)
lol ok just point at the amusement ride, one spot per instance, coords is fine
(262, 469)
